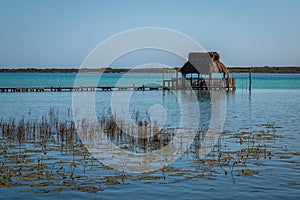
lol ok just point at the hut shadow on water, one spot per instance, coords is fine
(47, 155)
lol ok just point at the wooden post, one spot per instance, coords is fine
(227, 82)
(163, 77)
(176, 78)
(250, 79)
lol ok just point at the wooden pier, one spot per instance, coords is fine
(100, 88)
(79, 89)
(227, 83)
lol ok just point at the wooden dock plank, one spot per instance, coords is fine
(100, 88)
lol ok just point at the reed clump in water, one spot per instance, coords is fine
(145, 138)
(48, 153)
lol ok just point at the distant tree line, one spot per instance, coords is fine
(265, 69)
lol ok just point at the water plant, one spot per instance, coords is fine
(48, 153)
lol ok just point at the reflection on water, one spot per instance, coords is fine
(174, 118)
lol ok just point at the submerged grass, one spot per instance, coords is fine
(47, 155)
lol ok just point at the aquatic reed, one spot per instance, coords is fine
(48, 152)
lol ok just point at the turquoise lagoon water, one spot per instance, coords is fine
(264, 121)
(260, 81)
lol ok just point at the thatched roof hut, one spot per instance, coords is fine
(204, 63)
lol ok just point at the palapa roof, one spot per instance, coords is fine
(204, 63)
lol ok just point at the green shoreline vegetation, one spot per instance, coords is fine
(265, 69)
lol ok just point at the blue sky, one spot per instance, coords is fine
(61, 33)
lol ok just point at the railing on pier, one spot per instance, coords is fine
(200, 83)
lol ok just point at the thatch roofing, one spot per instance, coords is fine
(204, 63)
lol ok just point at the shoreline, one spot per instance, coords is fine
(291, 70)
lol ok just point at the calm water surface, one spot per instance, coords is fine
(260, 152)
